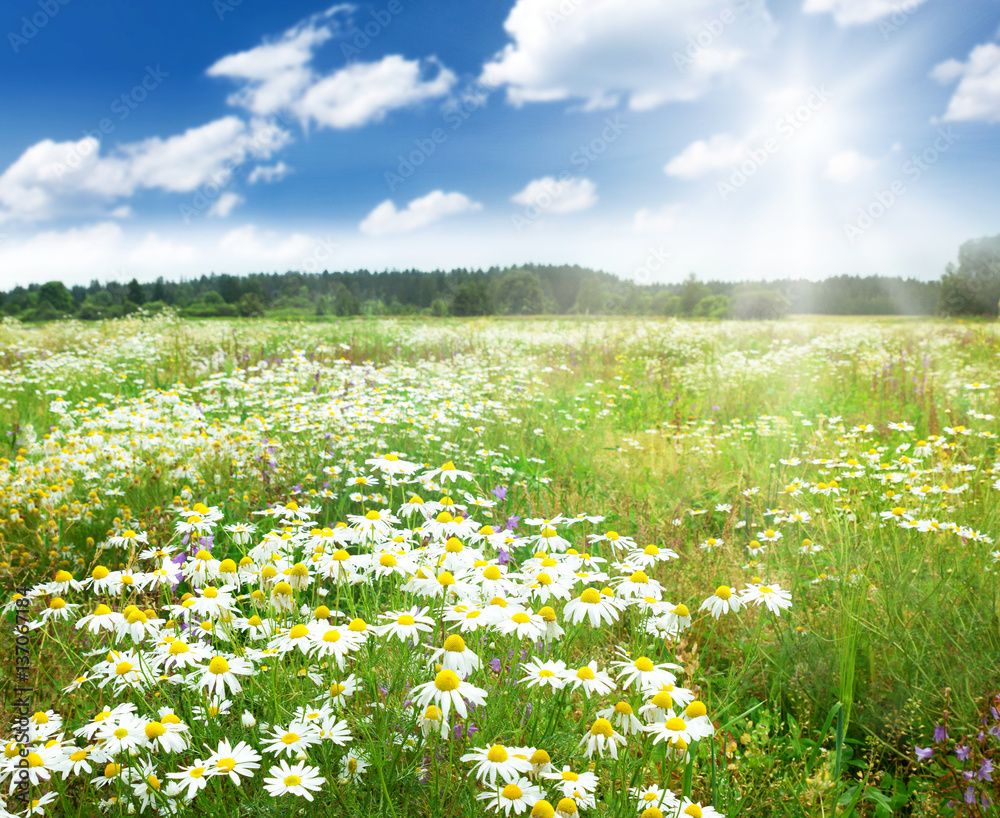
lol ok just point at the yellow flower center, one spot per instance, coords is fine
(511, 792)
(406, 619)
(591, 596)
(643, 664)
(543, 809)
(520, 617)
(497, 754)
(154, 730)
(446, 680)
(602, 727)
(289, 738)
(585, 673)
(298, 631)
(454, 643)
(695, 709)
(675, 724)
(723, 592)
(218, 665)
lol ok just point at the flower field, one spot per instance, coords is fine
(544, 568)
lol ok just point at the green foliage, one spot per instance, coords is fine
(519, 292)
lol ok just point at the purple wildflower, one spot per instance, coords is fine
(962, 752)
(500, 492)
(924, 753)
(940, 734)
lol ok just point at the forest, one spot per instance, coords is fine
(972, 287)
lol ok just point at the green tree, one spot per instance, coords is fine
(472, 297)
(134, 293)
(590, 297)
(56, 296)
(519, 292)
(345, 302)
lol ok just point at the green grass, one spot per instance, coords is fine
(648, 423)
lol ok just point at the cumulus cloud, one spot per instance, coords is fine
(93, 250)
(278, 76)
(707, 156)
(276, 73)
(847, 166)
(977, 96)
(51, 178)
(564, 195)
(663, 220)
(386, 220)
(363, 93)
(268, 173)
(858, 12)
(224, 205)
(648, 51)
(252, 244)
(154, 251)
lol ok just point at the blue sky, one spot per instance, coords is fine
(733, 138)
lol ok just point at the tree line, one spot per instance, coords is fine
(970, 288)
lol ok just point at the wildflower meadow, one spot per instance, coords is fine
(522, 567)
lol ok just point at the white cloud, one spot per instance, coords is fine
(845, 167)
(663, 220)
(155, 251)
(363, 93)
(387, 220)
(268, 173)
(858, 12)
(92, 251)
(264, 247)
(720, 152)
(52, 178)
(977, 96)
(550, 195)
(279, 76)
(650, 51)
(224, 205)
(276, 73)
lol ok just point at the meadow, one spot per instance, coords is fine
(540, 567)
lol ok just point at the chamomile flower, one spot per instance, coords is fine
(594, 606)
(723, 601)
(235, 762)
(567, 781)
(542, 674)
(221, 674)
(447, 691)
(601, 738)
(692, 726)
(299, 736)
(293, 779)
(588, 678)
(644, 675)
(493, 761)
(516, 797)
(771, 596)
(455, 655)
(406, 626)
